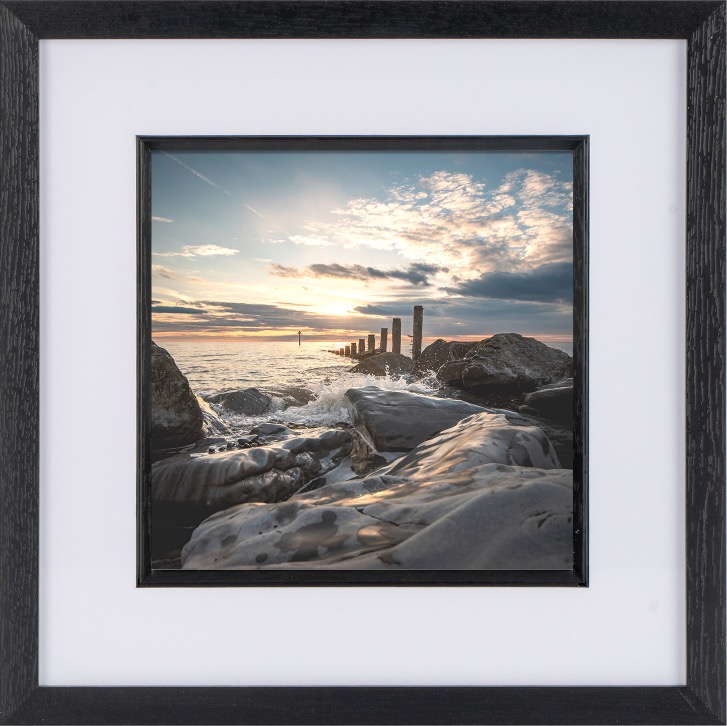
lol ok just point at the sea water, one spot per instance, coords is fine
(306, 382)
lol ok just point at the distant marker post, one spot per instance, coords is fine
(299, 337)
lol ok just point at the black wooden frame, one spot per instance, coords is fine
(701, 24)
(576, 576)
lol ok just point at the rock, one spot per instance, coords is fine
(399, 420)
(260, 473)
(247, 441)
(382, 364)
(436, 354)
(245, 401)
(452, 503)
(268, 429)
(554, 402)
(211, 450)
(213, 424)
(507, 362)
(176, 418)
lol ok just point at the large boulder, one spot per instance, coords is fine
(382, 364)
(244, 401)
(259, 474)
(399, 420)
(554, 402)
(176, 417)
(460, 501)
(507, 362)
(441, 351)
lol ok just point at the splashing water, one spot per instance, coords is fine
(307, 383)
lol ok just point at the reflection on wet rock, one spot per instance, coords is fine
(486, 493)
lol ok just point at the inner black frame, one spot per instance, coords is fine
(577, 576)
(701, 23)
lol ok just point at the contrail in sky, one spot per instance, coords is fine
(254, 211)
(197, 173)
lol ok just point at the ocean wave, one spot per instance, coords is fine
(328, 405)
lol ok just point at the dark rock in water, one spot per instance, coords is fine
(507, 362)
(268, 429)
(554, 402)
(245, 401)
(211, 450)
(399, 420)
(435, 355)
(483, 495)
(247, 441)
(382, 364)
(176, 418)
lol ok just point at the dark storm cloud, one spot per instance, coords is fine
(414, 274)
(547, 283)
(402, 309)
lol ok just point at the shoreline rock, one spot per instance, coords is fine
(507, 362)
(441, 351)
(245, 401)
(176, 417)
(382, 364)
(451, 503)
(400, 420)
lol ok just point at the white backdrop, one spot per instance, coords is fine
(626, 628)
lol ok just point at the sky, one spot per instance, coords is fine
(260, 245)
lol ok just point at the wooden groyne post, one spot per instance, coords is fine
(372, 343)
(396, 335)
(353, 350)
(361, 346)
(416, 344)
(384, 339)
(341, 351)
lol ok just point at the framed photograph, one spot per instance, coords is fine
(89, 285)
(270, 411)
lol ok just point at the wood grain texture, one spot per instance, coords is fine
(18, 361)
(705, 363)
(313, 577)
(361, 19)
(21, 701)
(376, 705)
(581, 173)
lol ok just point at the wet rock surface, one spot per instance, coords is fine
(245, 401)
(554, 402)
(507, 362)
(382, 364)
(176, 417)
(441, 351)
(484, 494)
(260, 473)
(399, 420)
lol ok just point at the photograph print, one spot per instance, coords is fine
(363, 354)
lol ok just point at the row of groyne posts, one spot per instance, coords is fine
(367, 346)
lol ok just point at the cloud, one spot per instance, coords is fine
(547, 283)
(162, 219)
(199, 251)
(175, 309)
(455, 221)
(300, 239)
(164, 272)
(414, 274)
